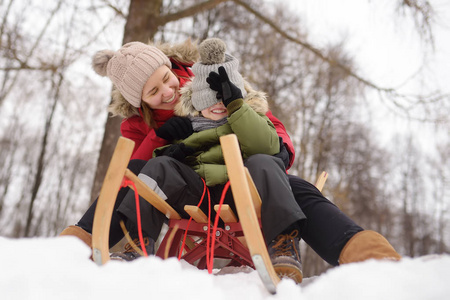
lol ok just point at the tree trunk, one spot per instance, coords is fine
(141, 25)
(41, 161)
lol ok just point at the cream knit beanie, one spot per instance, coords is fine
(212, 56)
(130, 67)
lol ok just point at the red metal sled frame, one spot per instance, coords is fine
(227, 244)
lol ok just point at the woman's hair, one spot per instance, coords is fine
(147, 115)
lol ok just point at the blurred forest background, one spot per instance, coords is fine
(56, 137)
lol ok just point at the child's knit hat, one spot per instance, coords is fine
(130, 67)
(212, 56)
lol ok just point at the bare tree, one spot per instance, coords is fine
(441, 193)
(35, 66)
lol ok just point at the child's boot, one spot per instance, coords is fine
(133, 249)
(284, 253)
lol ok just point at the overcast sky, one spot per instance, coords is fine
(386, 47)
(384, 44)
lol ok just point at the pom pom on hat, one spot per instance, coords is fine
(130, 67)
(212, 51)
(100, 61)
(212, 56)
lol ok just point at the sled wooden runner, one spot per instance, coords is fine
(245, 196)
(116, 173)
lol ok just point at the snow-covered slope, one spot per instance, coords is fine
(59, 268)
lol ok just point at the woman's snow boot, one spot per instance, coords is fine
(365, 245)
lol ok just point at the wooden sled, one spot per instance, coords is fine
(229, 240)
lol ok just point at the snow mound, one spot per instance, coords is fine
(59, 268)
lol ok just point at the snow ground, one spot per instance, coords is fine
(59, 268)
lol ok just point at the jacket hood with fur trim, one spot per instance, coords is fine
(257, 100)
(185, 54)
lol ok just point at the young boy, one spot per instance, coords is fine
(214, 103)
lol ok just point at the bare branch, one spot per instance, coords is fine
(24, 66)
(402, 102)
(44, 29)
(115, 9)
(423, 14)
(2, 27)
(311, 48)
(191, 11)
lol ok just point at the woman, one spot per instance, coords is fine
(146, 82)
(146, 91)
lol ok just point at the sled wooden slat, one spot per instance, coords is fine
(196, 213)
(226, 214)
(254, 192)
(321, 180)
(106, 200)
(240, 186)
(151, 197)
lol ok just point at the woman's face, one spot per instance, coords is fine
(216, 112)
(161, 89)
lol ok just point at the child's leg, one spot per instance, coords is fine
(174, 182)
(280, 215)
(279, 210)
